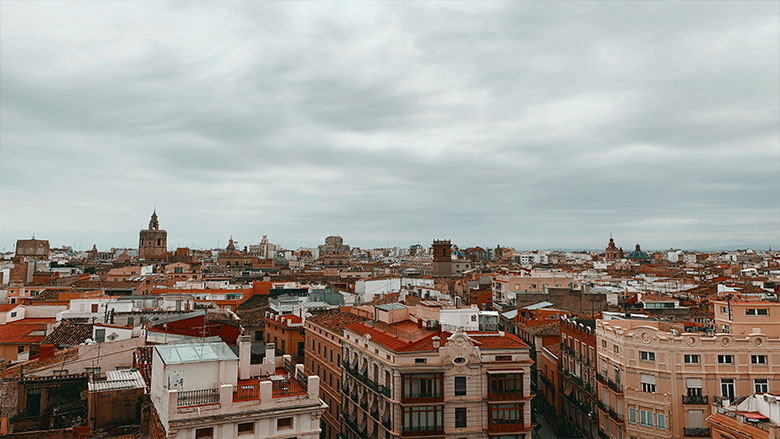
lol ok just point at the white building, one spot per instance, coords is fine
(203, 390)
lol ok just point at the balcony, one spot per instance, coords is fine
(247, 392)
(413, 431)
(288, 387)
(386, 423)
(601, 378)
(375, 412)
(602, 405)
(696, 431)
(414, 398)
(191, 398)
(506, 427)
(383, 390)
(695, 399)
(603, 434)
(616, 416)
(617, 387)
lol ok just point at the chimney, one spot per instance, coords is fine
(244, 357)
(270, 352)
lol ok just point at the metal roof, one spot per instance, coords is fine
(391, 306)
(539, 305)
(119, 380)
(195, 353)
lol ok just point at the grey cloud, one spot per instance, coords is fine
(535, 125)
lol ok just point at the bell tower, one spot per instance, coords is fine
(153, 242)
(442, 258)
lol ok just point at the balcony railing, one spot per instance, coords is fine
(602, 405)
(409, 430)
(386, 423)
(247, 392)
(189, 398)
(505, 395)
(601, 378)
(615, 416)
(603, 434)
(506, 427)
(383, 390)
(617, 387)
(695, 399)
(291, 387)
(696, 431)
(416, 397)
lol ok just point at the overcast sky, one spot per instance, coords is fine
(536, 125)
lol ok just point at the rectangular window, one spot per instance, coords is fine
(648, 383)
(246, 428)
(758, 359)
(661, 421)
(100, 335)
(646, 418)
(761, 385)
(420, 361)
(691, 359)
(632, 415)
(460, 417)
(646, 356)
(505, 414)
(503, 358)
(727, 388)
(420, 419)
(204, 433)
(460, 386)
(505, 385)
(19, 349)
(284, 423)
(13, 314)
(422, 385)
(725, 359)
(757, 312)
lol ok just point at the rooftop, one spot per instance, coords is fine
(118, 380)
(195, 353)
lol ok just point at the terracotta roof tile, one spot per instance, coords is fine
(69, 334)
(21, 333)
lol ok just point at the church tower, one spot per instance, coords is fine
(153, 242)
(442, 258)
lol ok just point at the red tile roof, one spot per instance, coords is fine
(485, 340)
(33, 321)
(21, 333)
(8, 307)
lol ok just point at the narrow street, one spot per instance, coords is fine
(545, 432)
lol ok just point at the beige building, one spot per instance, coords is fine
(405, 380)
(655, 381)
(203, 390)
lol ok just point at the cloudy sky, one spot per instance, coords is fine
(538, 125)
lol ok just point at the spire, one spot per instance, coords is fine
(153, 223)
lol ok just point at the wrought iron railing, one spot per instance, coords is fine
(695, 399)
(696, 431)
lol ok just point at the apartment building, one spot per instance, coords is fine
(578, 371)
(655, 381)
(754, 417)
(406, 378)
(286, 332)
(203, 390)
(322, 357)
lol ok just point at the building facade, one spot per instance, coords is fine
(287, 333)
(578, 369)
(322, 357)
(204, 391)
(655, 381)
(405, 382)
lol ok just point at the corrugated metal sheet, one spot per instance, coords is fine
(119, 380)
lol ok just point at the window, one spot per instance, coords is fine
(423, 418)
(13, 314)
(604, 344)
(460, 417)
(503, 358)
(100, 335)
(460, 386)
(646, 356)
(757, 312)
(758, 359)
(648, 383)
(723, 309)
(691, 359)
(505, 414)
(204, 433)
(284, 423)
(725, 359)
(646, 418)
(617, 349)
(632, 415)
(246, 427)
(693, 386)
(422, 385)
(258, 335)
(661, 421)
(19, 349)
(420, 361)
(503, 384)
(761, 385)
(727, 388)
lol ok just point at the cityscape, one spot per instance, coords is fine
(445, 219)
(336, 341)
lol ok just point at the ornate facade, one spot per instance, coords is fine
(152, 242)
